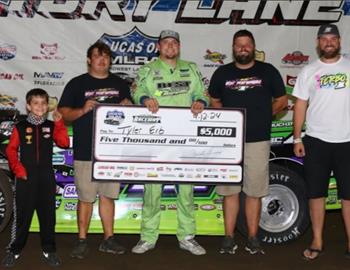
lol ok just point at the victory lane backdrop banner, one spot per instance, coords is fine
(44, 43)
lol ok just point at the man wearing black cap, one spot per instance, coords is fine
(258, 87)
(169, 81)
(322, 90)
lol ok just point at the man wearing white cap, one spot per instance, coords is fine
(323, 103)
(169, 81)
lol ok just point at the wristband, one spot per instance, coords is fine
(202, 101)
(297, 140)
(142, 99)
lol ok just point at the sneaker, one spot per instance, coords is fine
(253, 246)
(192, 246)
(347, 254)
(228, 245)
(142, 247)
(9, 259)
(51, 259)
(80, 249)
(110, 245)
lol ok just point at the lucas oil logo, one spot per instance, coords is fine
(333, 81)
(132, 48)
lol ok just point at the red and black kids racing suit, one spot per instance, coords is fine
(37, 191)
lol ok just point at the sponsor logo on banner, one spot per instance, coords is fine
(251, 12)
(290, 81)
(70, 206)
(7, 51)
(48, 52)
(11, 76)
(146, 119)
(7, 102)
(133, 48)
(70, 191)
(214, 57)
(58, 159)
(260, 55)
(282, 124)
(296, 58)
(114, 117)
(207, 207)
(48, 78)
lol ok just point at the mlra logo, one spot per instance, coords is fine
(132, 48)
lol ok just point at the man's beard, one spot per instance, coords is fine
(329, 54)
(244, 59)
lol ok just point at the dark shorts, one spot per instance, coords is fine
(321, 159)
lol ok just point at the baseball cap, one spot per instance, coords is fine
(169, 34)
(328, 29)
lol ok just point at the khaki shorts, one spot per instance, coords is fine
(86, 188)
(256, 172)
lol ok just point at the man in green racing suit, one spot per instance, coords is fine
(169, 81)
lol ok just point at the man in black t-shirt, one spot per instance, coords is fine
(259, 88)
(79, 98)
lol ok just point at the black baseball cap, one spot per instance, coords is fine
(326, 29)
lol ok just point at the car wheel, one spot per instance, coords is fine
(285, 212)
(6, 200)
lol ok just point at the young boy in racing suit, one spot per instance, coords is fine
(35, 185)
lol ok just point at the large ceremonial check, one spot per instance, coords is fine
(131, 144)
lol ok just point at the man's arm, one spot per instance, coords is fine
(72, 114)
(139, 90)
(300, 108)
(279, 104)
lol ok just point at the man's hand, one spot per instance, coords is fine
(151, 104)
(56, 116)
(299, 149)
(197, 107)
(89, 106)
(125, 101)
(21, 176)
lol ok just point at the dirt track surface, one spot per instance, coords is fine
(168, 256)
